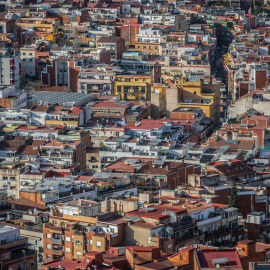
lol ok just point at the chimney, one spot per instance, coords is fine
(187, 76)
(246, 247)
(186, 255)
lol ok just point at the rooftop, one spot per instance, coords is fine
(210, 258)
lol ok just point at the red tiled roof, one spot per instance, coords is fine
(156, 214)
(120, 164)
(206, 257)
(28, 150)
(239, 145)
(27, 203)
(71, 265)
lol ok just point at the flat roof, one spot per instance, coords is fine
(5, 229)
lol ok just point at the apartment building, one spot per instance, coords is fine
(66, 153)
(148, 41)
(44, 24)
(169, 21)
(157, 174)
(97, 80)
(12, 99)
(116, 46)
(201, 93)
(77, 230)
(133, 87)
(15, 253)
(34, 59)
(10, 177)
(64, 71)
(10, 68)
(172, 43)
(127, 31)
(71, 117)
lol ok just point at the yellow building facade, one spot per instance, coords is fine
(133, 87)
(202, 93)
(42, 24)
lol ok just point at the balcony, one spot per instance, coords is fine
(57, 241)
(19, 255)
(53, 228)
(57, 251)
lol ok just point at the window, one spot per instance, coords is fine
(67, 249)
(48, 246)
(136, 79)
(32, 264)
(98, 243)
(67, 238)
(78, 252)
(48, 257)
(87, 242)
(127, 80)
(78, 242)
(5, 178)
(169, 246)
(48, 235)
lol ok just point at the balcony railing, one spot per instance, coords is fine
(18, 255)
(57, 241)
(57, 251)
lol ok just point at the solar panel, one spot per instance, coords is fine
(68, 99)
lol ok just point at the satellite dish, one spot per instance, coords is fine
(217, 266)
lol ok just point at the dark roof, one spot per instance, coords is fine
(206, 158)
(247, 145)
(110, 39)
(166, 168)
(28, 150)
(25, 204)
(10, 145)
(234, 168)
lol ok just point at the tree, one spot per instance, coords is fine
(233, 200)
